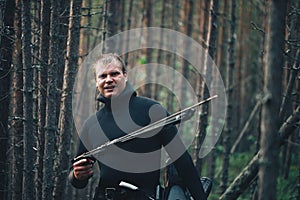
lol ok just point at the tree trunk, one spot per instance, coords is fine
(42, 77)
(148, 89)
(110, 24)
(29, 139)
(128, 28)
(121, 21)
(230, 100)
(239, 64)
(204, 24)
(104, 24)
(186, 18)
(222, 38)
(171, 58)
(66, 121)
(35, 26)
(112, 18)
(7, 9)
(160, 51)
(268, 168)
(51, 128)
(207, 83)
(213, 54)
(298, 176)
(64, 15)
(86, 22)
(16, 111)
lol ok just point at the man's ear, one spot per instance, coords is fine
(126, 76)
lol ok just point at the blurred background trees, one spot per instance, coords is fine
(255, 45)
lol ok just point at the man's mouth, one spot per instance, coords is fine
(109, 88)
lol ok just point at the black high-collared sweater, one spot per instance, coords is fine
(134, 161)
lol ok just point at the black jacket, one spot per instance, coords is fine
(136, 161)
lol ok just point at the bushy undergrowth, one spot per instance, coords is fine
(286, 188)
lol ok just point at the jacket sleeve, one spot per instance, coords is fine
(189, 175)
(183, 163)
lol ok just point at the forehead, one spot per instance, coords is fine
(102, 68)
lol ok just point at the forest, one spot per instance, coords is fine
(178, 52)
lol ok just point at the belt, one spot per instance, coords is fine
(112, 193)
(116, 193)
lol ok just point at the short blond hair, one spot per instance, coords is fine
(109, 58)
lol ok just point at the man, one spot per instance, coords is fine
(136, 161)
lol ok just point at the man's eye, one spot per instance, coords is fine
(115, 74)
(102, 76)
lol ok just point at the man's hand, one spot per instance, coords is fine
(83, 169)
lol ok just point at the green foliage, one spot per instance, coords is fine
(143, 60)
(286, 188)
(237, 162)
(192, 69)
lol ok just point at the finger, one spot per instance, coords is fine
(87, 173)
(82, 168)
(85, 161)
(81, 175)
(91, 161)
(80, 162)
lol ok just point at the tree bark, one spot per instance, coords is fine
(66, 121)
(112, 18)
(230, 100)
(51, 128)
(160, 51)
(42, 92)
(205, 25)
(29, 140)
(275, 35)
(110, 24)
(148, 89)
(206, 86)
(220, 62)
(121, 21)
(64, 15)
(16, 111)
(186, 18)
(298, 176)
(171, 58)
(7, 9)
(222, 38)
(128, 28)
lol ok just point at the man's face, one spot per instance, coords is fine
(110, 79)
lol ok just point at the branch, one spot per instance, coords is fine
(246, 126)
(290, 86)
(255, 27)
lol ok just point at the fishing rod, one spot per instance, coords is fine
(180, 116)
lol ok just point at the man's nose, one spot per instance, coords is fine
(109, 78)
